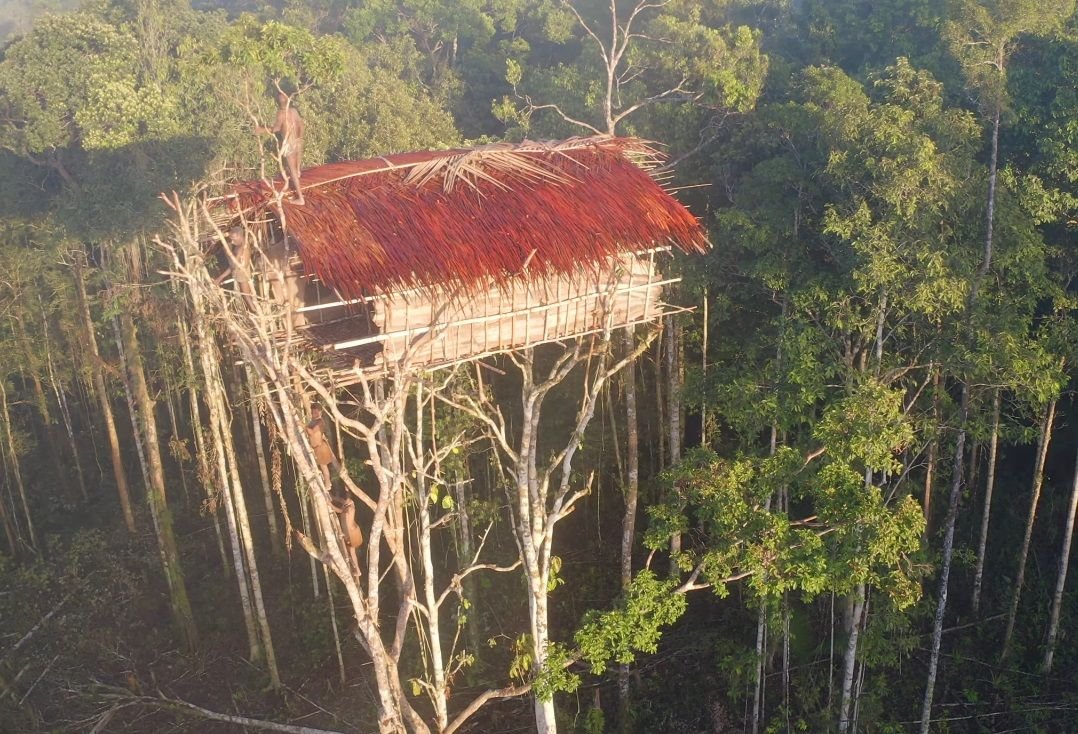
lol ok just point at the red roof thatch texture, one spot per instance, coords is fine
(469, 218)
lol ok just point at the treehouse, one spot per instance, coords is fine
(433, 258)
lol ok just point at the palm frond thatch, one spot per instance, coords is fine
(472, 218)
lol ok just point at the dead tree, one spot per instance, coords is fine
(394, 582)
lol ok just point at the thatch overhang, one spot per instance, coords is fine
(470, 219)
(449, 256)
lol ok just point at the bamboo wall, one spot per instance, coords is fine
(430, 329)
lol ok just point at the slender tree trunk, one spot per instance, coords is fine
(545, 721)
(41, 400)
(703, 365)
(258, 630)
(628, 526)
(948, 554)
(660, 406)
(786, 659)
(205, 473)
(170, 556)
(759, 689)
(98, 375)
(673, 397)
(260, 455)
(849, 660)
(1061, 578)
(990, 484)
(959, 464)
(174, 426)
(333, 623)
(65, 413)
(243, 521)
(430, 596)
(10, 532)
(465, 550)
(15, 470)
(132, 410)
(1034, 500)
(933, 454)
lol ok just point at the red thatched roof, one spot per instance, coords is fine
(472, 217)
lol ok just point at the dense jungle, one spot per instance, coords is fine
(833, 490)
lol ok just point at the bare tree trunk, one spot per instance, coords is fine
(147, 426)
(1034, 500)
(243, 521)
(258, 631)
(205, 473)
(303, 491)
(15, 467)
(1061, 578)
(10, 532)
(430, 596)
(260, 456)
(855, 612)
(174, 442)
(98, 375)
(933, 454)
(660, 406)
(673, 397)
(948, 554)
(333, 623)
(703, 366)
(786, 660)
(959, 464)
(65, 413)
(545, 719)
(632, 495)
(990, 484)
(759, 689)
(41, 400)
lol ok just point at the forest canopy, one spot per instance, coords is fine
(828, 483)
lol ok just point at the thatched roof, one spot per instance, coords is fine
(469, 218)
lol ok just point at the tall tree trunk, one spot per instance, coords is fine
(628, 526)
(959, 464)
(205, 473)
(243, 521)
(260, 456)
(41, 401)
(65, 413)
(948, 554)
(174, 442)
(1061, 578)
(254, 614)
(100, 389)
(989, 488)
(15, 470)
(703, 364)
(465, 550)
(10, 532)
(162, 517)
(545, 721)
(334, 626)
(430, 596)
(759, 689)
(1023, 554)
(660, 408)
(673, 397)
(933, 454)
(855, 611)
